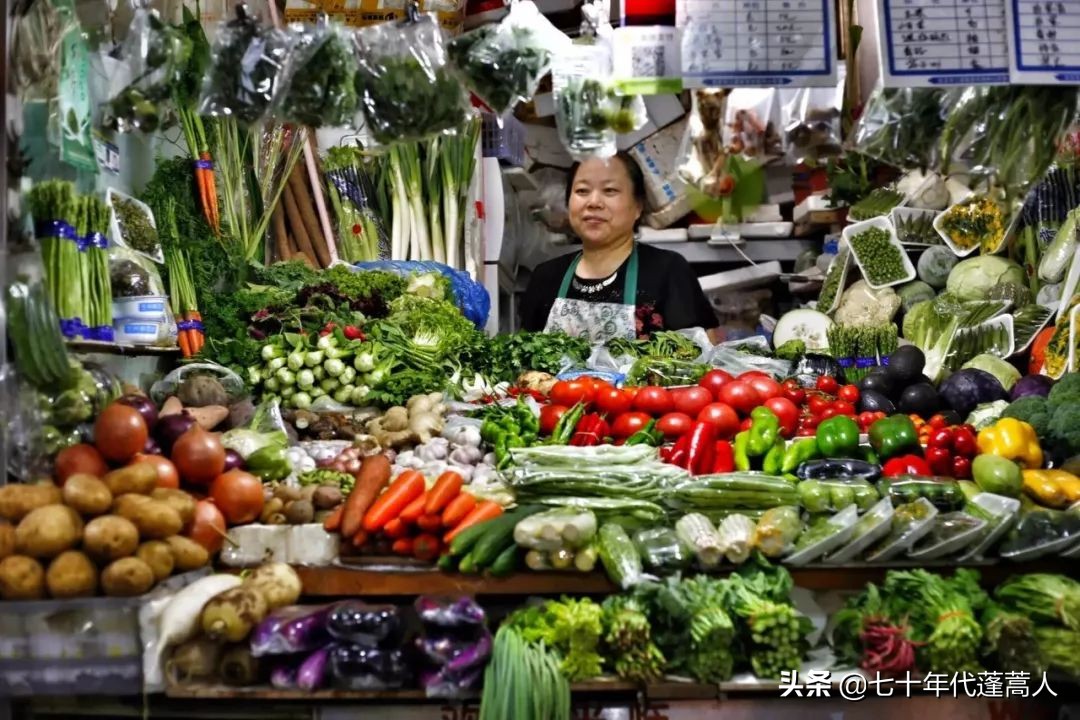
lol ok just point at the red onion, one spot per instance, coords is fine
(151, 447)
(171, 427)
(144, 405)
(233, 460)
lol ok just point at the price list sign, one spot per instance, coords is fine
(766, 43)
(1044, 45)
(943, 42)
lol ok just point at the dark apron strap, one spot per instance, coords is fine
(629, 285)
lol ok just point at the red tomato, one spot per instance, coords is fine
(740, 395)
(629, 423)
(817, 404)
(787, 413)
(612, 401)
(765, 386)
(793, 391)
(549, 417)
(714, 380)
(827, 384)
(723, 416)
(675, 424)
(81, 458)
(691, 400)
(827, 413)
(751, 373)
(571, 392)
(653, 400)
(849, 393)
(843, 407)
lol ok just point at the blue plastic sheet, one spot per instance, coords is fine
(470, 296)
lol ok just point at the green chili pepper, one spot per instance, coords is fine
(774, 458)
(564, 428)
(742, 460)
(764, 429)
(799, 452)
(647, 435)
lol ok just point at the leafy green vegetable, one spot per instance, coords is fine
(322, 90)
(500, 72)
(572, 627)
(406, 99)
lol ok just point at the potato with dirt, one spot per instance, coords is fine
(187, 554)
(154, 519)
(18, 500)
(71, 574)
(110, 537)
(127, 577)
(178, 500)
(158, 555)
(48, 531)
(87, 495)
(21, 578)
(140, 478)
(7, 539)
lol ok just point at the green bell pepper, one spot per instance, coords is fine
(269, 463)
(799, 452)
(764, 429)
(838, 437)
(893, 436)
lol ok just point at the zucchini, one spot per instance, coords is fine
(620, 558)
(506, 562)
(464, 541)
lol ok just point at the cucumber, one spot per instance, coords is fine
(619, 556)
(448, 563)
(464, 541)
(467, 565)
(506, 562)
(499, 532)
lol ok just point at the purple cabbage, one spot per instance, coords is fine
(313, 671)
(965, 389)
(1031, 385)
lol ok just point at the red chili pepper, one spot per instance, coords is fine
(723, 457)
(702, 448)
(905, 465)
(961, 467)
(964, 443)
(680, 454)
(352, 332)
(941, 438)
(665, 453)
(591, 430)
(940, 461)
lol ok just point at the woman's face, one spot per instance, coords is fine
(602, 206)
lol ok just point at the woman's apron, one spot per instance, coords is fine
(597, 321)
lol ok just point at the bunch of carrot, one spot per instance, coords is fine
(185, 307)
(199, 147)
(415, 521)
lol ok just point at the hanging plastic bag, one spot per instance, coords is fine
(247, 70)
(583, 101)
(750, 124)
(810, 118)
(318, 84)
(503, 64)
(901, 126)
(406, 88)
(351, 183)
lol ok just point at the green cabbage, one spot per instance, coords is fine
(914, 292)
(972, 279)
(1005, 373)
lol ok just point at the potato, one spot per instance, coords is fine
(128, 502)
(272, 506)
(71, 574)
(287, 493)
(7, 539)
(178, 500)
(158, 556)
(153, 518)
(188, 554)
(299, 512)
(138, 478)
(327, 497)
(87, 495)
(48, 531)
(110, 537)
(16, 500)
(127, 577)
(21, 578)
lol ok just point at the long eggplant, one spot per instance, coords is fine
(312, 672)
(442, 613)
(297, 628)
(836, 469)
(362, 624)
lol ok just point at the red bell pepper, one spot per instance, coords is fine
(905, 465)
(702, 448)
(723, 457)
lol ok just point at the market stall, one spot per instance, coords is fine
(263, 451)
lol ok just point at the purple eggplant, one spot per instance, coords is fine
(283, 676)
(266, 637)
(357, 667)
(445, 684)
(470, 657)
(312, 672)
(307, 632)
(292, 629)
(445, 613)
(371, 625)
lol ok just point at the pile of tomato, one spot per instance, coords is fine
(828, 398)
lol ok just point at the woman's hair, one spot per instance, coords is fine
(637, 178)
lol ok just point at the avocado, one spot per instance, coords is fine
(921, 399)
(873, 401)
(879, 381)
(906, 365)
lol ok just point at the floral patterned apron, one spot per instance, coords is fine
(597, 321)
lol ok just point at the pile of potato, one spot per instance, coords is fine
(118, 534)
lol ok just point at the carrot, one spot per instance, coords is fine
(211, 191)
(200, 337)
(458, 508)
(373, 475)
(408, 486)
(184, 343)
(426, 547)
(402, 546)
(361, 538)
(395, 529)
(415, 509)
(333, 521)
(446, 488)
(486, 510)
(429, 523)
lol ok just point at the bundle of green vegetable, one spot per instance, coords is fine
(571, 627)
(774, 631)
(40, 354)
(350, 186)
(92, 226)
(1059, 650)
(628, 639)
(300, 372)
(1043, 598)
(730, 491)
(319, 87)
(860, 349)
(55, 207)
(1010, 640)
(662, 344)
(865, 635)
(523, 681)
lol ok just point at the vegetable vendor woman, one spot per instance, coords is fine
(616, 286)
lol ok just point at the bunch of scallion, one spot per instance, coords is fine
(523, 681)
(54, 207)
(92, 226)
(351, 186)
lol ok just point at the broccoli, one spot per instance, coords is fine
(1064, 430)
(1033, 409)
(791, 350)
(1066, 390)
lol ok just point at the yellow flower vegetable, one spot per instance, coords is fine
(1013, 439)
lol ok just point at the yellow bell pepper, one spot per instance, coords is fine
(1052, 488)
(1013, 439)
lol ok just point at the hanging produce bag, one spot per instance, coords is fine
(901, 126)
(810, 119)
(318, 83)
(406, 88)
(750, 124)
(502, 64)
(247, 70)
(583, 107)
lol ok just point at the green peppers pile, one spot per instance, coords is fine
(510, 427)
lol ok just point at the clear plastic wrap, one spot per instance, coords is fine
(358, 667)
(871, 527)
(739, 356)
(834, 495)
(317, 86)
(1041, 532)
(580, 78)
(503, 64)
(910, 523)
(555, 529)
(231, 383)
(811, 122)
(901, 126)
(247, 69)
(823, 534)
(407, 91)
(665, 372)
(457, 613)
(704, 156)
(291, 629)
(776, 530)
(1000, 513)
(661, 550)
(944, 493)
(369, 625)
(751, 119)
(952, 532)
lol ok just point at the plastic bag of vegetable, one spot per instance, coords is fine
(292, 629)
(248, 60)
(462, 612)
(457, 653)
(583, 111)
(503, 64)
(317, 86)
(556, 528)
(369, 625)
(661, 549)
(776, 530)
(358, 667)
(901, 126)
(406, 88)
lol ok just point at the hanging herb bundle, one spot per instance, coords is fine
(319, 87)
(97, 287)
(53, 206)
(185, 98)
(185, 307)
